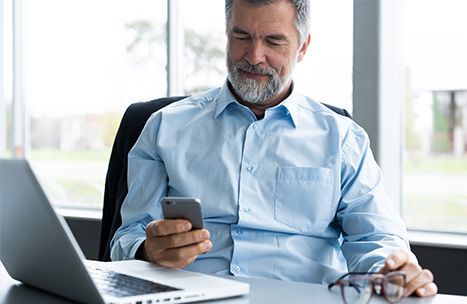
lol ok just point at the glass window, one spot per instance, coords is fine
(204, 45)
(325, 74)
(5, 78)
(83, 63)
(435, 158)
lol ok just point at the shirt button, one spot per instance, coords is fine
(249, 168)
(239, 231)
(237, 269)
(255, 126)
(246, 209)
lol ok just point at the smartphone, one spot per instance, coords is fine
(188, 208)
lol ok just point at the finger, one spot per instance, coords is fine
(177, 264)
(424, 278)
(182, 239)
(176, 255)
(396, 260)
(411, 271)
(427, 290)
(167, 227)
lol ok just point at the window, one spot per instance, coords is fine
(204, 45)
(74, 67)
(435, 158)
(5, 80)
(325, 74)
(82, 64)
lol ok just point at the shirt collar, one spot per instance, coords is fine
(291, 107)
(290, 104)
(224, 98)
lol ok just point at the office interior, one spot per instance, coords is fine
(69, 71)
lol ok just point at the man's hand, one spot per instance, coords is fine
(418, 280)
(170, 243)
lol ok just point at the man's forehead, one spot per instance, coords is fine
(277, 18)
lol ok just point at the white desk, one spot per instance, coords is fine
(261, 291)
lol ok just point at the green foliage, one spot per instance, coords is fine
(441, 143)
(412, 140)
(436, 211)
(437, 165)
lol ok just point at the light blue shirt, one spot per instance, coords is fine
(295, 196)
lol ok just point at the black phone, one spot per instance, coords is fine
(188, 208)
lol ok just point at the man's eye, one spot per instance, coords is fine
(241, 37)
(274, 42)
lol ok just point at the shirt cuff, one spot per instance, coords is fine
(135, 248)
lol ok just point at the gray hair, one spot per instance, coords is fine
(302, 8)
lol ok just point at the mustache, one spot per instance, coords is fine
(256, 69)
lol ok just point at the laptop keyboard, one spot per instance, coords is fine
(122, 285)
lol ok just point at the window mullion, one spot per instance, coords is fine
(175, 44)
(378, 85)
(20, 121)
(2, 91)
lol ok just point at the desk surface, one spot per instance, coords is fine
(261, 291)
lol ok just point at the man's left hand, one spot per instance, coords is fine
(418, 280)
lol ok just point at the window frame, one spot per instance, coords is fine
(377, 85)
(3, 133)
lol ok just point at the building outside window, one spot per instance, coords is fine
(435, 156)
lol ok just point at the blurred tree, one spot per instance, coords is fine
(440, 143)
(412, 140)
(148, 43)
(203, 58)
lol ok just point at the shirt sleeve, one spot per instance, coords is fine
(371, 227)
(147, 184)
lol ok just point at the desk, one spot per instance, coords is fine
(261, 291)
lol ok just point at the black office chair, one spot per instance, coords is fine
(116, 180)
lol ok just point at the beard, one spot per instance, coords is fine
(256, 91)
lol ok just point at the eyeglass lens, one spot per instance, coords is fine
(393, 287)
(359, 288)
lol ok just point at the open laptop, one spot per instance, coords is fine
(38, 248)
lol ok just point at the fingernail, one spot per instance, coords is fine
(187, 226)
(422, 291)
(205, 235)
(391, 263)
(207, 245)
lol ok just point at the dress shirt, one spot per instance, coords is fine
(296, 195)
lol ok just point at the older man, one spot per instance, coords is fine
(289, 189)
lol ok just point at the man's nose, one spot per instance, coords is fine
(256, 53)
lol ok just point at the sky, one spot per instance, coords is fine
(75, 58)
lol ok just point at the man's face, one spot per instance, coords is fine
(263, 48)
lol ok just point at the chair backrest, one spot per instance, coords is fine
(116, 188)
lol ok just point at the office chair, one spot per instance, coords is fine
(116, 188)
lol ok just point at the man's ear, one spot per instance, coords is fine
(304, 48)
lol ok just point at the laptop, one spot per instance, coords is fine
(38, 249)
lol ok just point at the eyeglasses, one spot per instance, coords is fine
(358, 287)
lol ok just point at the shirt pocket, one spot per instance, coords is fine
(304, 198)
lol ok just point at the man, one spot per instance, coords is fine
(289, 189)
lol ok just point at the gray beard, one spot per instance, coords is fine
(253, 91)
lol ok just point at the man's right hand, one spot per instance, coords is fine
(172, 243)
